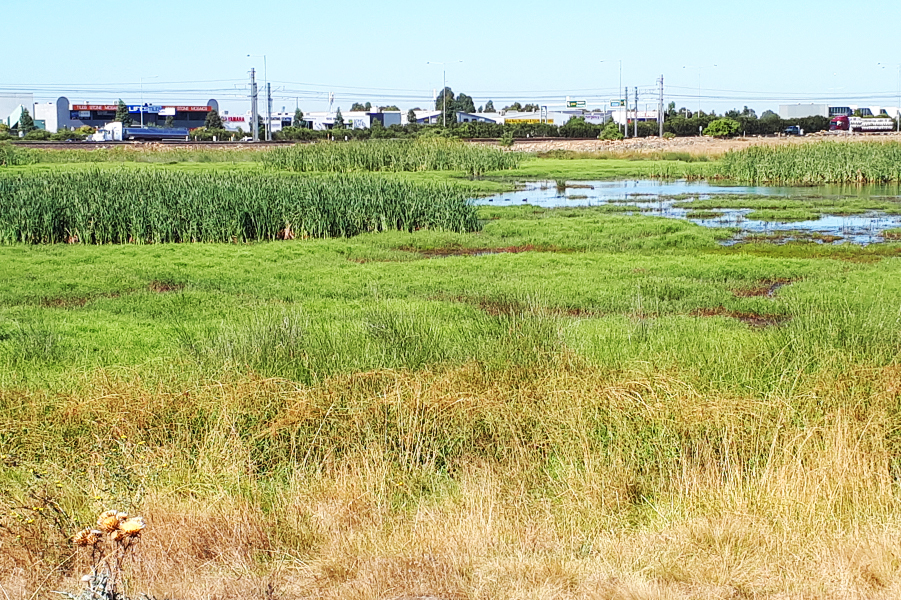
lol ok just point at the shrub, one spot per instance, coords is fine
(722, 128)
(611, 132)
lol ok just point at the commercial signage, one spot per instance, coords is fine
(551, 121)
(234, 119)
(94, 107)
(192, 108)
(575, 103)
(146, 108)
(615, 103)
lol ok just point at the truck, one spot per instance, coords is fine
(861, 124)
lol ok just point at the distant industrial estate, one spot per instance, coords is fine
(65, 115)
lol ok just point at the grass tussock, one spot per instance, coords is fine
(556, 481)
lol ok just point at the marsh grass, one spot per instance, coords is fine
(432, 154)
(102, 206)
(814, 163)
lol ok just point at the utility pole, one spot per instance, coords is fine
(268, 112)
(254, 118)
(636, 113)
(626, 113)
(660, 106)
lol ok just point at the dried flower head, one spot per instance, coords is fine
(87, 537)
(108, 521)
(133, 526)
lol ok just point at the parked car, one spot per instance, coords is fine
(793, 130)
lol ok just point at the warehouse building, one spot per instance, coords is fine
(62, 114)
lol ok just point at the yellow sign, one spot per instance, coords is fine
(551, 121)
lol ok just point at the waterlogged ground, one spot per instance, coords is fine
(827, 214)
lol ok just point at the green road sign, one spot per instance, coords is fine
(575, 103)
(617, 103)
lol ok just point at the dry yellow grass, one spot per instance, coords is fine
(790, 496)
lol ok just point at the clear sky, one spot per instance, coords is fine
(766, 53)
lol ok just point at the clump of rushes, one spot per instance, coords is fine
(110, 544)
(433, 154)
(117, 206)
(822, 162)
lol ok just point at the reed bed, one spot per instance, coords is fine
(815, 163)
(393, 155)
(97, 206)
(14, 156)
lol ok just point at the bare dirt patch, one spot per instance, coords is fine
(765, 287)
(163, 287)
(750, 318)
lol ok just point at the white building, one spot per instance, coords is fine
(354, 119)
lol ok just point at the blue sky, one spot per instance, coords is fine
(766, 53)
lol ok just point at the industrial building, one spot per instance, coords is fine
(800, 111)
(353, 119)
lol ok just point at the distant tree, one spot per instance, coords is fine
(356, 106)
(213, 120)
(748, 113)
(122, 114)
(298, 119)
(170, 121)
(339, 120)
(367, 106)
(530, 108)
(26, 123)
(445, 103)
(481, 109)
(671, 110)
(768, 115)
(489, 107)
(390, 107)
(411, 116)
(464, 103)
(515, 106)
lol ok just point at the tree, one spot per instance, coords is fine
(515, 106)
(464, 103)
(671, 110)
(170, 121)
(122, 114)
(26, 123)
(213, 120)
(411, 116)
(356, 106)
(298, 119)
(367, 106)
(445, 103)
(723, 128)
(489, 107)
(390, 107)
(339, 120)
(530, 108)
(768, 114)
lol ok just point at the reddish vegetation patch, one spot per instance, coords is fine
(444, 252)
(162, 287)
(764, 287)
(751, 318)
(503, 306)
(65, 302)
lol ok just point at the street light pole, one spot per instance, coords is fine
(898, 111)
(142, 97)
(698, 67)
(444, 86)
(268, 103)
